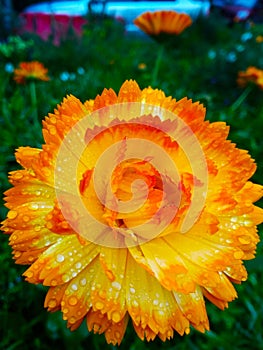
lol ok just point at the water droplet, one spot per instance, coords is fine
(29, 274)
(37, 228)
(74, 287)
(116, 285)
(234, 219)
(78, 265)
(155, 302)
(187, 330)
(132, 290)
(18, 175)
(248, 223)
(135, 303)
(96, 327)
(73, 301)
(65, 278)
(60, 258)
(83, 281)
(244, 239)
(116, 317)
(12, 214)
(52, 303)
(72, 319)
(99, 305)
(33, 206)
(53, 282)
(65, 310)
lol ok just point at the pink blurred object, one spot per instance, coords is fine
(49, 25)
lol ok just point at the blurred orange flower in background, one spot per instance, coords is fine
(30, 71)
(251, 75)
(106, 266)
(169, 22)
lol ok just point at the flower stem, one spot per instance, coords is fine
(242, 97)
(33, 95)
(157, 65)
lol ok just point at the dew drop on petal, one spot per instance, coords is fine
(83, 281)
(116, 317)
(74, 287)
(30, 274)
(52, 303)
(187, 330)
(33, 206)
(73, 301)
(12, 214)
(53, 282)
(135, 303)
(132, 290)
(78, 265)
(244, 240)
(116, 285)
(99, 305)
(72, 319)
(96, 327)
(65, 278)
(60, 258)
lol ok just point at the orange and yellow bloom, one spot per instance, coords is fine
(157, 22)
(30, 71)
(251, 75)
(134, 159)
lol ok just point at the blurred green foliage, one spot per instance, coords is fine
(202, 64)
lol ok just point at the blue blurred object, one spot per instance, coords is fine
(238, 10)
(126, 11)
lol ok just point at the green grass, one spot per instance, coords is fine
(202, 64)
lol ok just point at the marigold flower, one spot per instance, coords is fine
(30, 71)
(157, 22)
(135, 208)
(251, 75)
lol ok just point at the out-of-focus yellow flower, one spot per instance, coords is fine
(30, 71)
(142, 66)
(73, 213)
(168, 22)
(251, 75)
(259, 39)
